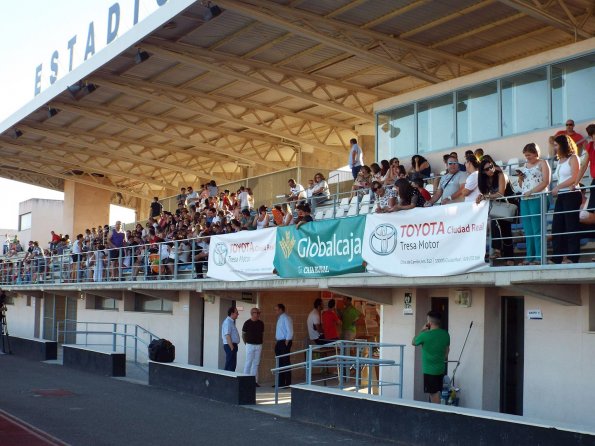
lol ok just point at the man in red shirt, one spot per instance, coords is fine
(331, 323)
(589, 161)
(578, 139)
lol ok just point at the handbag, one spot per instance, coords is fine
(502, 209)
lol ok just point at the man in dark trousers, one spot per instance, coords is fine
(156, 208)
(435, 344)
(284, 338)
(231, 339)
(252, 334)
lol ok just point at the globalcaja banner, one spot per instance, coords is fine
(246, 255)
(434, 241)
(322, 248)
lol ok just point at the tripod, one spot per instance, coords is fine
(4, 331)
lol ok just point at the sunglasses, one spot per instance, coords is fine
(488, 168)
(255, 312)
(452, 163)
(569, 124)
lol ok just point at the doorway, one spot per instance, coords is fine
(440, 304)
(512, 354)
(59, 312)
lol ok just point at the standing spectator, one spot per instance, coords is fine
(320, 193)
(451, 185)
(252, 335)
(77, 250)
(115, 242)
(492, 184)
(191, 198)
(349, 317)
(313, 322)
(243, 198)
(589, 161)
(578, 139)
(471, 191)
(212, 188)
(156, 208)
(296, 191)
(284, 340)
(435, 344)
(568, 202)
(231, 339)
(331, 324)
(181, 197)
(534, 177)
(356, 158)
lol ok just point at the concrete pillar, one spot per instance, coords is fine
(84, 207)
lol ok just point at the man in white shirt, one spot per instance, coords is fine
(284, 340)
(296, 191)
(231, 339)
(451, 185)
(313, 322)
(191, 198)
(243, 198)
(356, 158)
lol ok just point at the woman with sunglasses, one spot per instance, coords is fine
(262, 219)
(320, 192)
(492, 185)
(534, 177)
(392, 174)
(568, 202)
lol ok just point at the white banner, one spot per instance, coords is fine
(434, 241)
(245, 255)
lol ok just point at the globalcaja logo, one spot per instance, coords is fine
(287, 244)
(383, 239)
(220, 254)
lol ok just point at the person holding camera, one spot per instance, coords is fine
(435, 343)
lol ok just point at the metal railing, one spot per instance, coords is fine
(131, 339)
(351, 360)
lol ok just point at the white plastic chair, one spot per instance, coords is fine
(364, 209)
(328, 214)
(319, 215)
(352, 210)
(366, 198)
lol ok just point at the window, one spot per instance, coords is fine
(105, 303)
(573, 96)
(153, 305)
(25, 221)
(435, 124)
(524, 102)
(396, 133)
(477, 113)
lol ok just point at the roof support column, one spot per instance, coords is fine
(84, 207)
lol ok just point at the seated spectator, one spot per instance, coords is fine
(246, 220)
(418, 184)
(409, 197)
(478, 154)
(384, 166)
(376, 172)
(456, 156)
(287, 215)
(304, 215)
(420, 167)
(451, 185)
(471, 191)
(320, 193)
(363, 180)
(385, 197)
(277, 213)
(261, 221)
(392, 173)
(296, 191)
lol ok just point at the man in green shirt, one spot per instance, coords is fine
(435, 344)
(349, 316)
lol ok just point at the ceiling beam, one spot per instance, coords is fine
(258, 8)
(44, 154)
(547, 18)
(192, 60)
(73, 178)
(51, 132)
(197, 148)
(34, 179)
(394, 13)
(258, 13)
(228, 118)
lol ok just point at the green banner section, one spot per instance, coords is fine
(320, 248)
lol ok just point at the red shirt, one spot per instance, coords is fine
(591, 152)
(424, 193)
(576, 137)
(329, 324)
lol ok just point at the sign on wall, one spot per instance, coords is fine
(435, 241)
(246, 255)
(323, 248)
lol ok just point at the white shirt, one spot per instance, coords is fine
(229, 328)
(359, 156)
(298, 191)
(312, 321)
(243, 197)
(471, 184)
(284, 329)
(191, 198)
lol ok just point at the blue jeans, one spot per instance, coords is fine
(231, 357)
(355, 170)
(532, 227)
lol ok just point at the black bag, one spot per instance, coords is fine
(161, 350)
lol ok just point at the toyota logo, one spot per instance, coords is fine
(383, 239)
(220, 254)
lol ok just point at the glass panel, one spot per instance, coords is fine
(477, 113)
(151, 304)
(396, 133)
(524, 102)
(105, 303)
(573, 96)
(25, 221)
(435, 124)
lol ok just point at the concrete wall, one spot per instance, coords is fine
(20, 317)
(559, 362)
(46, 216)
(91, 204)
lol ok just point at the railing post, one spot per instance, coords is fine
(543, 224)
(400, 372)
(357, 362)
(125, 340)
(341, 364)
(114, 337)
(175, 272)
(276, 380)
(309, 366)
(136, 343)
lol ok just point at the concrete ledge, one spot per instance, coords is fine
(94, 361)
(412, 422)
(219, 385)
(34, 348)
